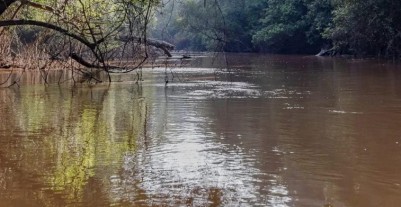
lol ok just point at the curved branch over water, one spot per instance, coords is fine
(8, 23)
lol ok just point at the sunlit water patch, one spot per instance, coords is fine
(185, 165)
(283, 93)
(288, 106)
(188, 70)
(344, 112)
(212, 89)
(225, 89)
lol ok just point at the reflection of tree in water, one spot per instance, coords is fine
(64, 142)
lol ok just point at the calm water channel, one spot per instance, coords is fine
(272, 131)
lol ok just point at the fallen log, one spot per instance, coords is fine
(327, 52)
(163, 45)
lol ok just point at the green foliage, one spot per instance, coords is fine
(289, 26)
(210, 25)
(360, 27)
(188, 26)
(370, 27)
(282, 26)
(293, 26)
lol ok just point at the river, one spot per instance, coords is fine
(271, 131)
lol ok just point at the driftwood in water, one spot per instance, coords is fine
(327, 52)
(163, 45)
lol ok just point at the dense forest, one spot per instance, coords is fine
(358, 27)
(122, 35)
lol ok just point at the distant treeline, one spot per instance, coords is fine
(357, 27)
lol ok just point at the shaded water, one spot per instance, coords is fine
(272, 131)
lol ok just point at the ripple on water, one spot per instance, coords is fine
(187, 70)
(344, 112)
(176, 172)
(222, 89)
(197, 88)
(285, 94)
(186, 166)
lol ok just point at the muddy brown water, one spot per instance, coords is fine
(271, 131)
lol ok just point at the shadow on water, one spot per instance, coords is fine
(280, 131)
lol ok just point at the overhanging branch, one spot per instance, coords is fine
(8, 23)
(87, 64)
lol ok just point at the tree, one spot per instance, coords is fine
(210, 25)
(192, 24)
(293, 26)
(249, 26)
(367, 28)
(92, 32)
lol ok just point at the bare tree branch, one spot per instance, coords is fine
(7, 23)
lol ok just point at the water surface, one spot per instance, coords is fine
(270, 131)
